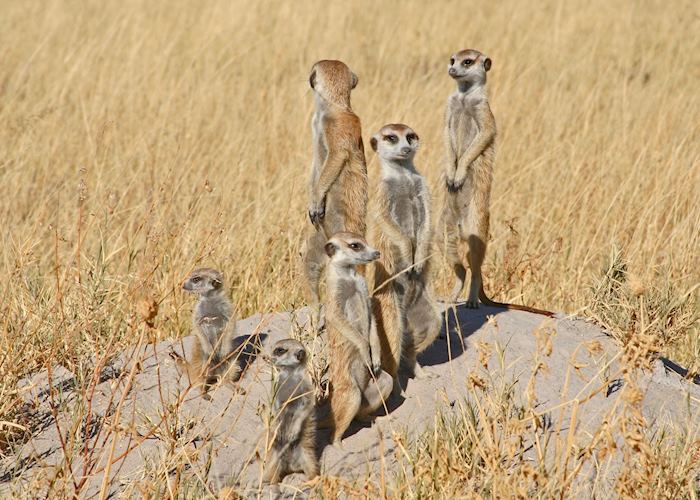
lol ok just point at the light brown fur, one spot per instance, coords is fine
(358, 384)
(293, 447)
(214, 355)
(406, 315)
(338, 185)
(470, 137)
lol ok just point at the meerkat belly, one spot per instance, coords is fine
(464, 130)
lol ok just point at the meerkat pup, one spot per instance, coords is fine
(294, 434)
(213, 356)
(358, 384)
(407, 317)
(338, 187)
(470, 135)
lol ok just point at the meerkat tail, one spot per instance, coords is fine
(487, 301)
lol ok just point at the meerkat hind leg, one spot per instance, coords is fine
(375, 395)
(475, 257)
(344, 412)
(314, 262)
(454, 258)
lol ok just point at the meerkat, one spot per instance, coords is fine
(470, 136)
(213, 355)
(358, 384)
(407, 317)
(338, 185)
(294, 436)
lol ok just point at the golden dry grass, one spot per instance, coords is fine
(140, 139)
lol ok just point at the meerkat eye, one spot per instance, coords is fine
(196, 279)
(468, 62)
(452, 61)
(392, 138)
(355, 246)
(278, 352)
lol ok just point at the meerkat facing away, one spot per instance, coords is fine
(407, 317)
(470, 135)
(338, 184)
(358, 384)
(294, 443)
(213, 355)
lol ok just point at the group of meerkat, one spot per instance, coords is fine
(373, 334)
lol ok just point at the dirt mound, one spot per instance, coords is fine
(143, 417)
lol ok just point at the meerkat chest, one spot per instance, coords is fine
(353, 298)
(463, 124)
(406, 203)
(212, 316)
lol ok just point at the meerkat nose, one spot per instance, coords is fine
(376, 254)
(452, 71)
(405, 150)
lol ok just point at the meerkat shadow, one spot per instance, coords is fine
(459, 322)
(248, 348)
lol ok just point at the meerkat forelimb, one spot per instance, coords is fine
(338, 183)
(470, 136)
(214, 355)
(358, 384)
(406, 313)
(294, 434)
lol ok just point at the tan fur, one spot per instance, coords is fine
(214, 355)
(358, 384)
(406, 315)
(470, 137)
(293, 446)
(338, 185)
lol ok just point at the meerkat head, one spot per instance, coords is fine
(333, 81)
(204, 281)
(349, 249)
(288, 353)
(395, 142)
(469, 66)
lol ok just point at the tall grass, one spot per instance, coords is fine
(140, 139)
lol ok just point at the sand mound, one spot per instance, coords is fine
(164, 422)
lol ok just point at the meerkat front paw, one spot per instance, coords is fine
(317, 211)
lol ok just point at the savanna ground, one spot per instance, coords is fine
(141, 139)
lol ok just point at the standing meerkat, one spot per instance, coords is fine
(214, 354)
(358, 384)
(470, 135)
(338, 186)
(294, 442)
(407, 317)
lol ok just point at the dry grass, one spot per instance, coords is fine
(140, 139)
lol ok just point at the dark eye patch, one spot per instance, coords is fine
(452, 61)
(355, 246)
(196, 279)
(468, 62)
(279, 351)
(411, 138)
(391, 138)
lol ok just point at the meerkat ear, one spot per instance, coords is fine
(355, 80)
(487, 64)
(301, 354)
(217, 283)
(373, 143)
(312, 79)
(330, 248)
